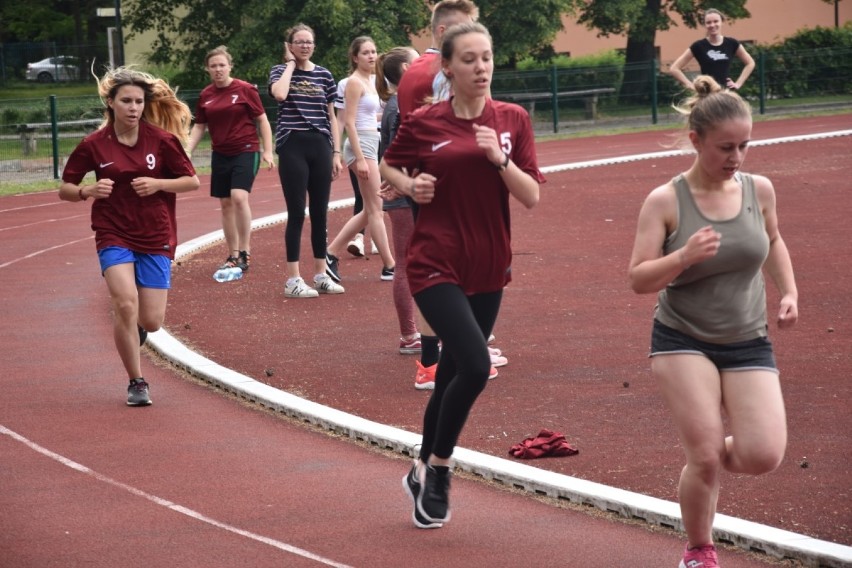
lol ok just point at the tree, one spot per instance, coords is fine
(520, 33)
(640, 20)
(254, 30)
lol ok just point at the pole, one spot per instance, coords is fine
(54, 136)
(554, 91)
(119, 37)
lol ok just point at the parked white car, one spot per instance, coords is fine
(59, 68)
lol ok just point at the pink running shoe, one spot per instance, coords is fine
(492, 374)
(699, 557)
(425, 377)
(410, 346)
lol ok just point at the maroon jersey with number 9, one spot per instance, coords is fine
(141, 224)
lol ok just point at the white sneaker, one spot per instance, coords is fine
(494, 351)
(374, 249)
(298, 289)
(323, 284)
(498, 360)
(356, 245)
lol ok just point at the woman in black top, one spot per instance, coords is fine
(714, 54)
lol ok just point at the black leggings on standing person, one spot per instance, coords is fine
(304, 167)
(463, 323)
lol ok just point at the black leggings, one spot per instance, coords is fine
(463, 323)
(304, 167)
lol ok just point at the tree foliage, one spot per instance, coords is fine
(253, 30)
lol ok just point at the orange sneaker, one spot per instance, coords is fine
(425, 377)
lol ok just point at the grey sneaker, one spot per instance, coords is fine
(298, 289)
(137, 393)
(325, 285)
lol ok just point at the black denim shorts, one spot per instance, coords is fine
(740, 356)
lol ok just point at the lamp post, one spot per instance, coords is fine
(119, 49)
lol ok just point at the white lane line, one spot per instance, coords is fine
(170, 505)
(41, 222)
(671, 153)
(42, 251)
(35, 206)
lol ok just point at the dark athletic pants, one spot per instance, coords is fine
(304, 167)
(463, 323)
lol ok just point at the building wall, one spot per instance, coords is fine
(770, 22)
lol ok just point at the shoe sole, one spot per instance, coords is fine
(148, 403)
(499, 363)
(410, 350)
(420, 524)
(427, 517)
(322, 291)
(386, 278)
(331, 275)
(299, 296)
(424, 386)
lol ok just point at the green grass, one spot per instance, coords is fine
(32, 89)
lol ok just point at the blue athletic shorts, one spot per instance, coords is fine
(152, 270)
(741, 356)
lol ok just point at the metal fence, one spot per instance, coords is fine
(37, 135)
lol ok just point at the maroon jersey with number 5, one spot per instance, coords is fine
(463, 236)
(141, 224)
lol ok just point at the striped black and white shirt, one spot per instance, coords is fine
(306, 105)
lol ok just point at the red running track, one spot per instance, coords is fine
(201, 479)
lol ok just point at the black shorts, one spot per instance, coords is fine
(740, 356)
(233, 172)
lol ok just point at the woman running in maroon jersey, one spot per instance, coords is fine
(471, 153)
(139, 165)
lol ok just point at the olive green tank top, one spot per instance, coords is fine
(723, 299)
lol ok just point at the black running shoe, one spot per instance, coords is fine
(412, 486)
(143, 335)
(137, 393)
(387, 273)
(433, 502)
(230, 262)
(331, 267)
(244, 261)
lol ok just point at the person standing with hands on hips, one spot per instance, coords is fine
(472, 153)
(232, 111)
(702, 243)
(307, 139)
(714, 54)
(139, 165)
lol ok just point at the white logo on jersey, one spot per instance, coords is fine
(438, 146)
(107, 164)
(716, 55)
(208, 102)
